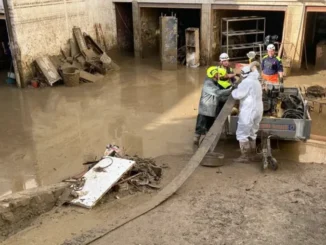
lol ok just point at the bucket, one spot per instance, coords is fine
(71, 76)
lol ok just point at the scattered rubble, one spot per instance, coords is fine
(315, 95)
(100, 179)
(316, 91)
(142, 176)
(89, 61)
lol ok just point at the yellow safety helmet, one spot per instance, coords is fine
(213, 70)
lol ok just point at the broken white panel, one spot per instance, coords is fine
(100, 179)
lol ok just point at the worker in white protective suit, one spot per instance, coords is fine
(249, 92)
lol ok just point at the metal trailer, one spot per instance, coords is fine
(278, 128)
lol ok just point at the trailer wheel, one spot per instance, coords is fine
(273, 163)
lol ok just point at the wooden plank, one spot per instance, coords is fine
(47, 68)
(79, 39)
(212, 136)
(73, 48)
(100, 179)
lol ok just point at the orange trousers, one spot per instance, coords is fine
(271, 78)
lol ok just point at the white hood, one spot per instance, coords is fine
(253, 75)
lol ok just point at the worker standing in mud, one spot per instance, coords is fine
(249, 93)
(215, 91)
(272, 69)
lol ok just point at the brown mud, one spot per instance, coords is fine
(232, 204)
(46, 135)
(237, 204)
(66, 222)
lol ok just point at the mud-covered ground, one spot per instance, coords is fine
(232, 204)
(47, 134)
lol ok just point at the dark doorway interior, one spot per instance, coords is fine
(150, 34)
(315, 35)
(274, 26)
(124, 21)
(5, 57)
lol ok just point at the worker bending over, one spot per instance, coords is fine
(272, 69)
(249, 92)
(214, 92)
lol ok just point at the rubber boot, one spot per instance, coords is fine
(196, 139)
(245, 151)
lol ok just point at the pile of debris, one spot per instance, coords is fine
(315, 91)
(82, 60)
(144, 174)
(116, 172)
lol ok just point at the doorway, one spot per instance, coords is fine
(314, 40)
(247, 29)
(150, 33)
(5, 55)
(125, 36)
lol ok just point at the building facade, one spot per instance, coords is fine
(42, 27)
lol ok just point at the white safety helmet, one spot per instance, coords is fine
(224, 57)
(245, 71)
(270, 47)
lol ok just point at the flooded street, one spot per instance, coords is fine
(46, 134)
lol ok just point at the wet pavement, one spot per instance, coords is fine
(46, 134)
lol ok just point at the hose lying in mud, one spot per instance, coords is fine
(211, 138)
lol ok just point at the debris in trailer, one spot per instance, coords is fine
(97, 183)
(49, 71)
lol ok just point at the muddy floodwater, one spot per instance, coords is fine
(46, 134)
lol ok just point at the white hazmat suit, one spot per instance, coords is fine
(249, 92)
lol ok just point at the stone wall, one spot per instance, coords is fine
(18, 210)
(42, 27)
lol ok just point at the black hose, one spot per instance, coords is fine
(293, 114)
